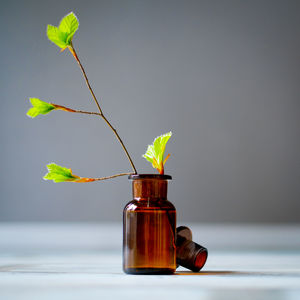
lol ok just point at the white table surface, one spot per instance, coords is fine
(83, 261)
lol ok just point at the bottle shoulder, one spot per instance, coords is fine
(136, 205)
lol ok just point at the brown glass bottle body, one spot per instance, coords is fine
(149, 228)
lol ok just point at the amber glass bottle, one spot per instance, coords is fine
(149, 227)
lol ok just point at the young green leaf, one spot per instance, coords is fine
(69, 24)
(39, 107)
(62, 174)
(42, 107)
(155, 152)
(57, 37)
(62, 35)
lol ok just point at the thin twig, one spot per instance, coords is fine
(87, 112)
(85, 77)
(60, 107)
(72, 50)
(112, 176)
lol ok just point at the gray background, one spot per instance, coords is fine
(222, 75)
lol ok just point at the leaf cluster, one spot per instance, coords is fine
(155, 152)
(39, 107)
(62, 35)
(59, 174)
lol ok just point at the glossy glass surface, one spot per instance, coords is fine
(149, 225)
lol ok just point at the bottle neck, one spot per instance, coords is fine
(150, 189)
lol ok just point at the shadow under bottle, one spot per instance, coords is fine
(149, 227)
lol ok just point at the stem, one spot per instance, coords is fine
(112, 176)
(87, 112)
(72, 50)
(60, 107)
(121, 142)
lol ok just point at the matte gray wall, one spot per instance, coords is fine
(222, 75)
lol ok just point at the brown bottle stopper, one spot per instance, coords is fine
(188, 253)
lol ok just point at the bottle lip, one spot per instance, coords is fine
(149, 176)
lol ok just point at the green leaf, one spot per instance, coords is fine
(149, 153)
(59, 174)
(39, 107)
(155, 152)
(63, 34)
(69, 24)
(62, 174)
(57, 37)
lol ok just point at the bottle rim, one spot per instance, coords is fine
(149, 176)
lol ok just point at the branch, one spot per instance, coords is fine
(72, 50)
(112, 176)
(60, 107)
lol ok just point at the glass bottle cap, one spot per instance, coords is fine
(188, 253)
